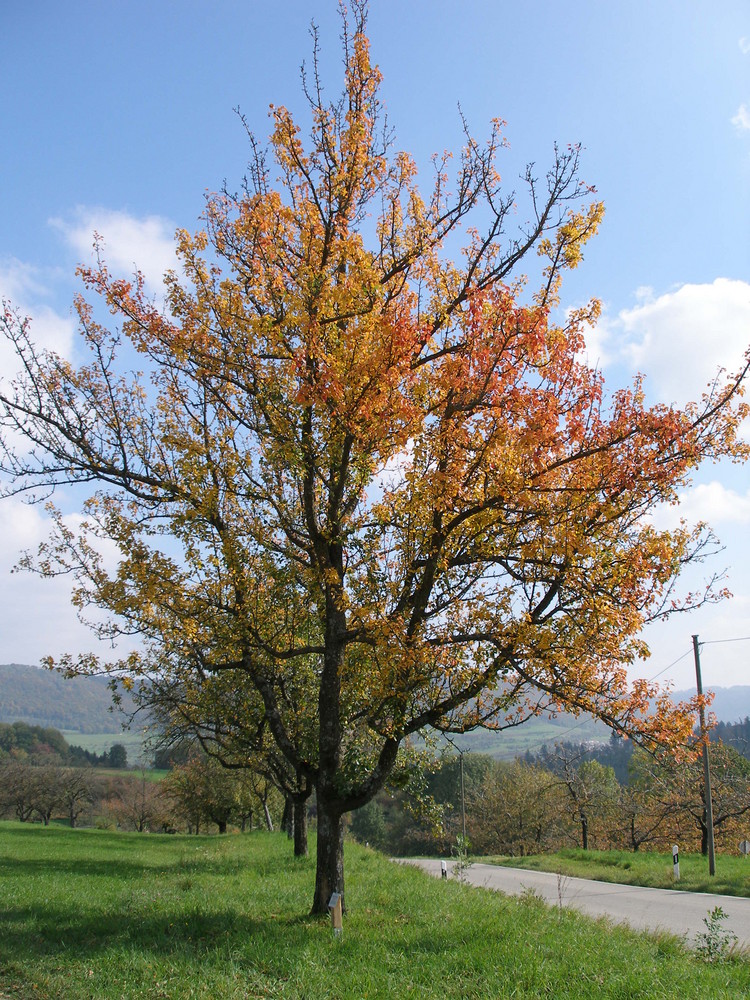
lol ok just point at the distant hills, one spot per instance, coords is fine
(730, 704)
(45, 698)
(84, 705)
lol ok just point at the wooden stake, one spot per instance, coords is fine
(334, 906)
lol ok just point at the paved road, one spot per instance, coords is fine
(680, 913)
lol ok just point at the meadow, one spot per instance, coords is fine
(99, 914)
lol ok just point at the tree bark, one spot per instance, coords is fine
(299, 812)
(329, 876)
(287, 817)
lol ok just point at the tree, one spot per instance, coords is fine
(203, 789)
(679, 791)
(643, 816)
(117, 756)
(226, 719)
(516, 810)
(138, 803)
(379, 484)
(77, 792)
(17, 788)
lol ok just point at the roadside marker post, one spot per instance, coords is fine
(443, 869)
(676, 862)
(744, 848)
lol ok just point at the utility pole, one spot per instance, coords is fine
(460, 753)
(706, 767)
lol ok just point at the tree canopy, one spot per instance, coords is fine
(361, 462)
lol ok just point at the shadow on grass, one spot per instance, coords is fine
(35, 932)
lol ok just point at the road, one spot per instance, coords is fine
(680, 913)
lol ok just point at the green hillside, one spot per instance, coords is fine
(45, 698)
(84, 705)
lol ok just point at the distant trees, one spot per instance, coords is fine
(519, 808)
(202, 791)
(42, 777)
(38, 792)
(19, 737)
(40, 744)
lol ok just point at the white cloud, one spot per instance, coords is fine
(713, 502)
(129, 243)
(24, 288)
(745, 46)
(38, 618)
(741, 120)
(678, 340)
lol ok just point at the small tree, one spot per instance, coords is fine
(368, 824)
(138, 803)
(77, 792)
(117, 756)
(17, 788)
(591, 789)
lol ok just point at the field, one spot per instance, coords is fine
(94, 914)
(103, 742)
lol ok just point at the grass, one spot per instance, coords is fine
(151, 775)
(93, 914)
(101, 742)
(732, 876)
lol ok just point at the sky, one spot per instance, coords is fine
(119, 117)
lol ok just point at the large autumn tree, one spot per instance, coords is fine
(365, 466)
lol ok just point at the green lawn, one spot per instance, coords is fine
(732, 876)
(94, 914)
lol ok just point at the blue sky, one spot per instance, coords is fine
(119, 117)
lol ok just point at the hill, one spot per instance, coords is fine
(84, 705)
(730, 704)
(45, 698)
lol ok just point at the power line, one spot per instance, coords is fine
(670, 665)
(541, 742)
(688, 652)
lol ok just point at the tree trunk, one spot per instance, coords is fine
(329, 875)
(584, 832)
(300, 829)
(287, 817)
(222, 825)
